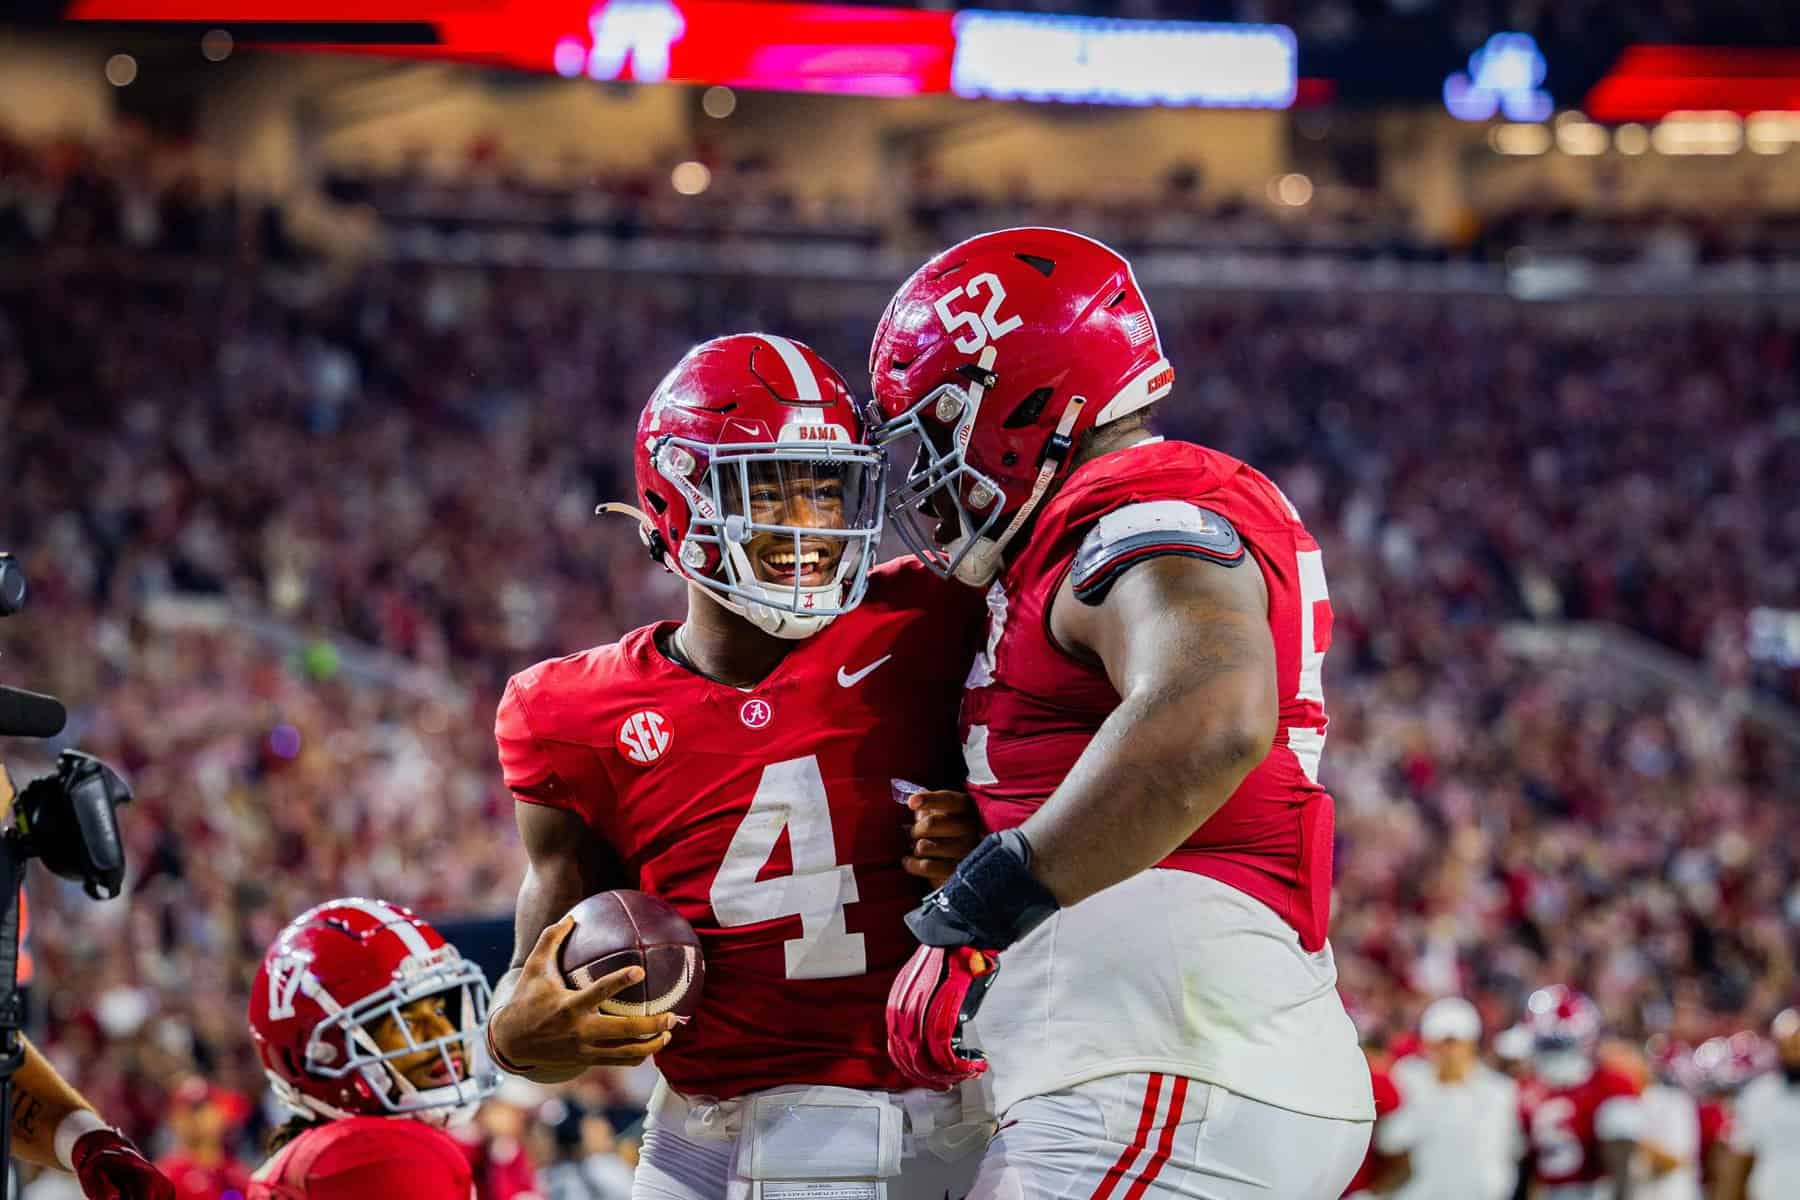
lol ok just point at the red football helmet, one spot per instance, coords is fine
(1672, 1061)
(996, 356)
(1565, 1032)
(336, 969)
(1726, 1064)
(752, 445)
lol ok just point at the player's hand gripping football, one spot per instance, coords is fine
(546, 1027)
(109, 1167)
(945, 828)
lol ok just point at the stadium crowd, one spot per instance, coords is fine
(290, 528)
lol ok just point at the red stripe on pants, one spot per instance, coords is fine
(1165, 1144)
(1152, 1092)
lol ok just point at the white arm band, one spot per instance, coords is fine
(72, 1129)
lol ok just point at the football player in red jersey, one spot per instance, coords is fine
(1583, 1122)
(739, 764)
(1143, 731)
(368, 1023)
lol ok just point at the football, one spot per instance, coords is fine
(615, 930)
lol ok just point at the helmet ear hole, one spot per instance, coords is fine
(1029, 409)
(655, 500)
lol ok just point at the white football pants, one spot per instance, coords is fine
(1123, 1137)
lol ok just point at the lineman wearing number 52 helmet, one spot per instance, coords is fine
(1143, 730)
(738, 764)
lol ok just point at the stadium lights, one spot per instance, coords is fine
(1698, 133)
(1293, 190)
(718, 102)
(1581, 137)
(1505, 77)
(1632, 139)
(121, 69)
(690, 178)
(1519, 139)
(1772, 132)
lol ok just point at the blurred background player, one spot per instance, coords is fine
(1584, 1119)
(1763, 1160)
(739, 764)
(368, 1024)
(1143, 729)
(201, 1164)
(1671, 1150)
(1460, 1114)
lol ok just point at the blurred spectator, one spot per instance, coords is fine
(200, 1163)
(496, 1142)
(1461, 1117)
(577, 1155)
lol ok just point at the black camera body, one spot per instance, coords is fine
(67, 820)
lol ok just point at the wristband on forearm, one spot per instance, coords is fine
(991, 901)
(500, 1060)
(71, 1129)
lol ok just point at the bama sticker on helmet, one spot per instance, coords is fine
(814, 433)
(644, 736)
(1138, 532)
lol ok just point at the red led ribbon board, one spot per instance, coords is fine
(787, 47)
(1650, 82)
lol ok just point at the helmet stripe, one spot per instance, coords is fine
(402, 928)
(806, 383)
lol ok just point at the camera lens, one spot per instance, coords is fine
(12, 586)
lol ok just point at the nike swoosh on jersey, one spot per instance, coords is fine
(852, 678)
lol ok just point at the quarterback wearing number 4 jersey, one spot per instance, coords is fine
(739, 765)
(1142, 731)
(764, 816)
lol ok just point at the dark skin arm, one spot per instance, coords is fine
(1186, 644)
(1616, 1155)
(551, 1031)
(1732, 1182)
(945, 828)
(1391, 1173)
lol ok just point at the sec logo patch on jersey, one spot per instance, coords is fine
(644, 736)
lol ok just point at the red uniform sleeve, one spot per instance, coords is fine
(525, 762)
(408, 1159)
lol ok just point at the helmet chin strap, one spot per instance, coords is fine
(982, 562)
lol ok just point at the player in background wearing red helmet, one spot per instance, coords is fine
(1672, 1145)
(1143, 730)
(1763, 1158)
(738, 764)
(368, 1024)
(1584, 1121)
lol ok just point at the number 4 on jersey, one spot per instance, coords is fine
(791, 796)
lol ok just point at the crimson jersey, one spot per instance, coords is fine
(1031, 708)
(193, 1180)
(765, 816)
(1564, 1126)
(366, 1158)
(1715, 1129)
